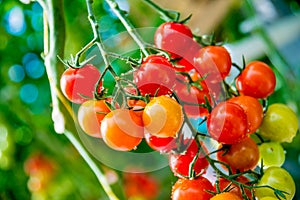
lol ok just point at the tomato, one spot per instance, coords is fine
(163, 117)
(163, 145)
(235, 156)
(174, 38)
(155, 76)
(253, 110)
(78, 85)
(233, 188)
(185, 189)
(280, 123)
(192, 97)
(279, 179)
(140, 186)
(272, 154)
(227, 123)
(90, 115)
(226, 196)
(180, 163)
(186, 63)
(122, 129)
(257, 80)
(213, 62)
(137, 106)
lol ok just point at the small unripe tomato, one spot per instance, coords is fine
(280, 123)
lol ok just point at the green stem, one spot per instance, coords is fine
(100, 176)
(129, 27)
(165, 14)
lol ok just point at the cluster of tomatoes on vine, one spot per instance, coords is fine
(188, 80)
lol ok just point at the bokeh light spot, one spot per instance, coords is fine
(35, 69)
(29, 93)
(16, 73)
(15, 21)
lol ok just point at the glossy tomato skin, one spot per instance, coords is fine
(226, 196)
(122, 129)
(227, 123)
(185, 189)
(155, 76)
(78, 85)
(278, 178)
(257, 80)
(192, 97)
(253, 109)
(272, 154)
(163, 117)
(214, 62)
(280, 123)
(173, 37)
(161, 144)
(241, 156)
(90, 115)
(180, 163)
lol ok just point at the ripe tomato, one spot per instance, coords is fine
(213, 61)
(180, 163)
(226, 196)
(90, 115)
(163, 145)
(122, 129)
(137, 106)
(185, 189)
(233, 188)
(192, 97)
(186, 63)
(257, 80)
(173, 37)
(140, 186)
(163, 117)
(78, 85)
(235, 156)
(253, 110)
(280, 123)
(272, 154)
(277, 178)
(227, 123)
(156, 75)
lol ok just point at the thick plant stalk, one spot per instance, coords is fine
(54, 43)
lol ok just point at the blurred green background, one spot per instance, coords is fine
(36, 163)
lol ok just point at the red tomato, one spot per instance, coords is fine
(253, 110)
(156, 75)
(173, 37)
(241, 156)
(180, 163)
(140, 186)
(185, 189)
(90, 115)
(78, 85)
(227, 123)
(186, 63)
(257, 80)
(163, 145)
(213, 62)
(192, 97)
(122, 129)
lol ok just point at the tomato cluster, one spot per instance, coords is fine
(165, 92)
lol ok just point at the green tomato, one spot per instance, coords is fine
(272, 154)
(280, 123)
(279, 179)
